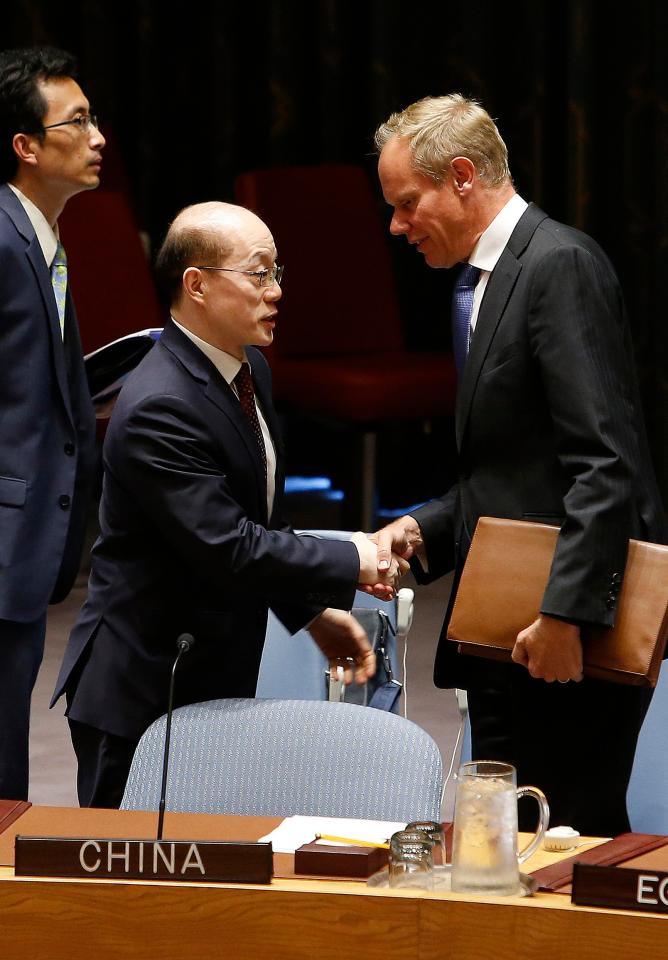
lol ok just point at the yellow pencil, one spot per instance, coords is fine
(352, 842)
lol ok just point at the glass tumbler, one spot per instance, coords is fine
(433, 830)
(411, 860)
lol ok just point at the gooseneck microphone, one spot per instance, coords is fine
(184, 644)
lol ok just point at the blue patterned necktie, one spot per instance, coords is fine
(462, 307)
(59, 283)
(244, 384)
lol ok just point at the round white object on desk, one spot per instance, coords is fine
(560, 838)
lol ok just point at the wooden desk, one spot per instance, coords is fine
(291, 919)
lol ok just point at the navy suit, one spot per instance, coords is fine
(186, 545)
(549, 428)
(47, 451)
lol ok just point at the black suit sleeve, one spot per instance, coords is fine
(578, 336)
(439, 525)
(174, 469)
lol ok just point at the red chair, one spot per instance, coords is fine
(108, 268)
(339, 349)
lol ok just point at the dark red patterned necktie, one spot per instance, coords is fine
(244, 384)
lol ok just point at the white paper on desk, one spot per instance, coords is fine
(296, 831)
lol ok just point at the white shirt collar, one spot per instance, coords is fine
(48, 240)
(226, 365)
(493, 241)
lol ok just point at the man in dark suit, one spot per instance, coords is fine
(549, 428)
(191, 532)
(49, 151)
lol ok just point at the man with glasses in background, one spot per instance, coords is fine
(192, 536)
(50, 150)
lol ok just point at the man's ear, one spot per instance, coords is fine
(463, 174)
(193, 283)
(24, 148)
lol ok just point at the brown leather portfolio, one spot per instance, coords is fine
(11, 810)
(502, 587)
(630, 849)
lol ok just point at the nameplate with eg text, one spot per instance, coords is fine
(181, 860)
(623, 888)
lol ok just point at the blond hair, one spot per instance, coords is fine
(439, 129)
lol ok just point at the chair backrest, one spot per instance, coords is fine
(647, 798)
(339, 293)
(284, 757)
(108, 270)
(293, 667)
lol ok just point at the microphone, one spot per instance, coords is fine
(184, 643)
(239, 861)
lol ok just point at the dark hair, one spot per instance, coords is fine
(187, 246)
(22, 106)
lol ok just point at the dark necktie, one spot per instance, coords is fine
(462, 307)
(244, 384)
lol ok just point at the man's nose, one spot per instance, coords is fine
(398, 225)
(96, 140)
(273, 292)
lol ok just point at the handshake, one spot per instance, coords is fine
(384, 556)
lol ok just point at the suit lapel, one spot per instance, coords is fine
(262, 381)
(218, 391)
(38, 264)
(14, 209)
(494, 302)
(497, 292)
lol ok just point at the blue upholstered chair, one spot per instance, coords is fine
(283, 757)
(293, 667)
(647, 797)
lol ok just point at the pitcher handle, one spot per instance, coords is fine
(543, 820)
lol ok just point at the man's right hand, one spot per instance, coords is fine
(381, 583)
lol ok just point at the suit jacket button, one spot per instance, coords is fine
(69, 448)
(64, 502)
(610, 602)
(616, 578)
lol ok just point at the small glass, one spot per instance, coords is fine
(411, 861)
(434, 831)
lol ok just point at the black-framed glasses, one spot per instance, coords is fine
(82, 123)
(265, 278)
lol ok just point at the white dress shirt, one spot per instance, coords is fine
(491, 245)
(228, 367)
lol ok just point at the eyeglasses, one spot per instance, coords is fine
(83, 123)
(265, 278)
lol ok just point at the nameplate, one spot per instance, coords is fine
(623, 888)
(181, 860)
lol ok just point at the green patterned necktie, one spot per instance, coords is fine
(59, 283)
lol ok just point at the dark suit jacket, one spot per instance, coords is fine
(47, 428)
(186, 545)
(549, 426)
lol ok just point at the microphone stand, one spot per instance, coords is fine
(184, 644)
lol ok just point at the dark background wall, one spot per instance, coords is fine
(580, 91)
